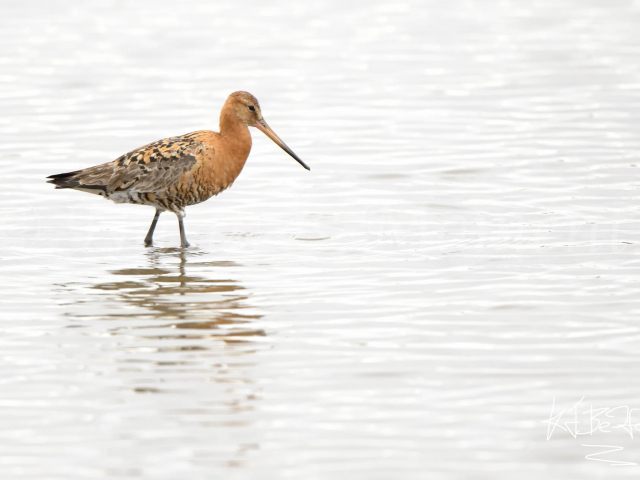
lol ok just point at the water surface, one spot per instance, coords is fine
(463, 251)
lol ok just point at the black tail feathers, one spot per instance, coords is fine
(65, 180)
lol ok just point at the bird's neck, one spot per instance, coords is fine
(236, 139)
(234, 131)
(230, 124)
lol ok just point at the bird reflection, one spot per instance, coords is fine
(178, 326)
(175, 295)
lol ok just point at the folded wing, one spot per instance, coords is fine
(148, 169)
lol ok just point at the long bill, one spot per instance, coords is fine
(266, 129)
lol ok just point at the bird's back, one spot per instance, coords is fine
(165, 173)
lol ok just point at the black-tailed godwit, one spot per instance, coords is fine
(176, 172)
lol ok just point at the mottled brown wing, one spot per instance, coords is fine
(151, 168)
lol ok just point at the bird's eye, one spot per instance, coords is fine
(252, 108)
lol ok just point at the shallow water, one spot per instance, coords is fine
(463, 252)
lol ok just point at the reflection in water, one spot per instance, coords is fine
(177, 349)
(173, 311)
(200, 307)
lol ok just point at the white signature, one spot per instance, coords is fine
(594, 420)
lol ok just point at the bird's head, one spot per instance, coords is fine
(248, 110)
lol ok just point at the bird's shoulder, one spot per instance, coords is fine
(166, 152)
(159, 164)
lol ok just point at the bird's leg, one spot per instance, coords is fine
(183, 237)
(148, 240)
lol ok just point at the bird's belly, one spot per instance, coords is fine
(129, 196)
(145, 198)
(175, 198)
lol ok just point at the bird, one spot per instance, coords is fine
(176, 172)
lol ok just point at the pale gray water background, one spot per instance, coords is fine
(463, 251)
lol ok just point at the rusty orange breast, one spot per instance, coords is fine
(219, 161)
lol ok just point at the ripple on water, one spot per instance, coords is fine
(462, 253)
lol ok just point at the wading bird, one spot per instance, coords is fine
(176, 172)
